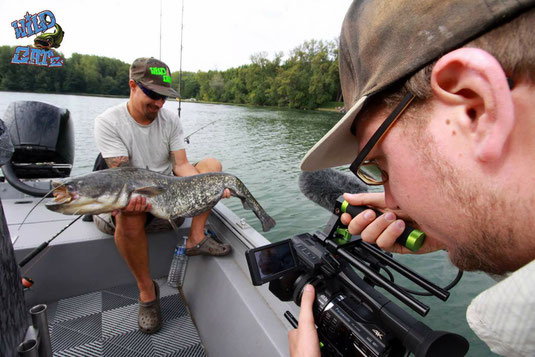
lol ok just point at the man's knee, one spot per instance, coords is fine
(209, 164)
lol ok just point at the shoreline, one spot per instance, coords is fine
(319, 109)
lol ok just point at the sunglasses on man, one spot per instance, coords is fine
(150, 93)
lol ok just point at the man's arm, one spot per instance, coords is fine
(181, 165)
(119, 161)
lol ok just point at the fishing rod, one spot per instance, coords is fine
(45, 244)
(180, 70)
(160, 58)
(186, 139)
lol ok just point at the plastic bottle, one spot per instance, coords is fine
(178, 266)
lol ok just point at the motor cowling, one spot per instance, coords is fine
(43, 139)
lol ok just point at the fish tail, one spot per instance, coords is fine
(239, 190)
(267, 221)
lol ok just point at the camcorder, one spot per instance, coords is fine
(352, 317)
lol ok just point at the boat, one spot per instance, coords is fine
(68, 276)
(82, 288)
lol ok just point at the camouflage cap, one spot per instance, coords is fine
(384, 41)
(153, 74)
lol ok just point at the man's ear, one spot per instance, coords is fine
(474, 80)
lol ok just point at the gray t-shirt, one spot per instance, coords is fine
(147, 146)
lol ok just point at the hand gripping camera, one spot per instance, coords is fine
(352, 317)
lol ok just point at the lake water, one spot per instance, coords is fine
(263, 147)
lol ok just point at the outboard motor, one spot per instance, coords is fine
(43, 139)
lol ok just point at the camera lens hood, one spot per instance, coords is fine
(436, 344)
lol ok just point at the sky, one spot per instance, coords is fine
(217, 34)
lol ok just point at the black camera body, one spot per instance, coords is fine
(347, 326)
(352, 317)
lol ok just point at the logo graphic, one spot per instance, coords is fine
(40, 54)
(162, 72)
(377, 333)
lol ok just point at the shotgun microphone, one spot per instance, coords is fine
(325, 186)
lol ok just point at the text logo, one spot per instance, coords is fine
(41, 53)
(378, 333)
(162, 72)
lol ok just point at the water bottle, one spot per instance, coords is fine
(178, 266)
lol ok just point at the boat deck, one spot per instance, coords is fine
(104, 323)
(83, 270)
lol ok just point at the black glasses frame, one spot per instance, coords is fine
(379, 133)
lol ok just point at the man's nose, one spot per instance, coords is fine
(159, 102)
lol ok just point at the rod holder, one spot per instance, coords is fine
(28, 348)
(40, 322)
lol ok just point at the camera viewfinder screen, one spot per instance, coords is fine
(274, 260)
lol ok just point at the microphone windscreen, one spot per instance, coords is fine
(325, 186)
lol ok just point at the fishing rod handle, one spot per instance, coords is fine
(411, 238)
(32, 254)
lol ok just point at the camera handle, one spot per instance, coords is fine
(360, 254)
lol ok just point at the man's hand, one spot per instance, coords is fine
(226, 193)
(136, 205)
(304, 340)
(385, 229)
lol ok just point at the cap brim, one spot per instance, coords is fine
(167, 91)
(337, 147)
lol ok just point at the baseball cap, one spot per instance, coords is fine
(384, 41)
(153, 74)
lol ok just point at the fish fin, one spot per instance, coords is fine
(246, 204)
(244, 201)
(149, 191)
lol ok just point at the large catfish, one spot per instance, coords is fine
(170, 197)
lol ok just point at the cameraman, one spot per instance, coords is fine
(458, 157)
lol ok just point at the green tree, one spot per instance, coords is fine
(308, 78)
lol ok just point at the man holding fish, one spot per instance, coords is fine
(141, 133)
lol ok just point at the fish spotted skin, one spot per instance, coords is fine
(170, 196)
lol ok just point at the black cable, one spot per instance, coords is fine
(421, 293)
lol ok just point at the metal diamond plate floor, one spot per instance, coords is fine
(104, 323)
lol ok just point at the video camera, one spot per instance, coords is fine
(353, 318)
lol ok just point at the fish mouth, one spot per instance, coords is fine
(43, 44)
(61, 194)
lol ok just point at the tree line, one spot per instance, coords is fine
(307, 79)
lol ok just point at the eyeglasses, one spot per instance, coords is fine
(368, 170)
(151, 94)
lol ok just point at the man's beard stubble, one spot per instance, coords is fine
(150, 115)
(489, 243)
